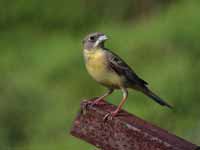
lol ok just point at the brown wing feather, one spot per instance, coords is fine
(121, 68)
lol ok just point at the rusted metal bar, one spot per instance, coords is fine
(124, 132)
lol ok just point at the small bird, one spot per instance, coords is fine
(111, 71)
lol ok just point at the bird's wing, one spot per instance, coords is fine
(121, 68)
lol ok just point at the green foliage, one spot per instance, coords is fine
(43, 78)
(74, 14)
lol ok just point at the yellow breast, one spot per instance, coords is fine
(97, 66)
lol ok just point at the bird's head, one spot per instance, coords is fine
(94, 40)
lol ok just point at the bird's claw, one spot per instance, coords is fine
(109, 116)
(84, 108)
(94, 103)
(88, 104)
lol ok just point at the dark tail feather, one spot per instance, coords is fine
(156, 98)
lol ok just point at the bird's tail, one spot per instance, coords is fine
(156, 98)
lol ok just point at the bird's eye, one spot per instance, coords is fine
(92, 38)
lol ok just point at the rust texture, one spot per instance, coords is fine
(124, 132)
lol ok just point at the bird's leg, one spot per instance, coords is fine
(97, 101)
(114, 113)
(110, 90)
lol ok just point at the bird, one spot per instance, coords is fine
(111, 71)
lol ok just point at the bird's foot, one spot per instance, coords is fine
(88, 104)
(98, 101)
(110, 116)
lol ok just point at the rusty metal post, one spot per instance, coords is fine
(124, 132)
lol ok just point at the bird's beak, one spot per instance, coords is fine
(100, 39)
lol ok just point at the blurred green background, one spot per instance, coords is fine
(43, 78)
